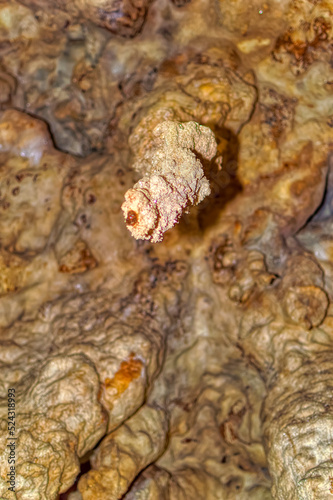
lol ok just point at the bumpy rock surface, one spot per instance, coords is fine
(199, 367)
(174, 179)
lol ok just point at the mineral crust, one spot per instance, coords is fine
(174, 179)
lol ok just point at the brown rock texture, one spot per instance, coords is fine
(199, 367)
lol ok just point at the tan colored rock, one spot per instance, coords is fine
(124, 453)
(77, 260)
(53, 428)
(202, 365)
(124, 18)
(17, 21)
(82, 386)
(174, 179)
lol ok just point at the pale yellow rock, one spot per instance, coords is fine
(250, 45)
(174, 179)
(17, 21)
(123, 454)
(202, 365)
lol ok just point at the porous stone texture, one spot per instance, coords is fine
(124, 453)
(199, 367)
(174, 179)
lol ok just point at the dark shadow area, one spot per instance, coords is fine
(85, 467)
(222, 177)
(325, 209)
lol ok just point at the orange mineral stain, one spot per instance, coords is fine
(331, 483)
(132, 218)
(129, 370)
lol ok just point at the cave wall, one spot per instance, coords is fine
(199, 367)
